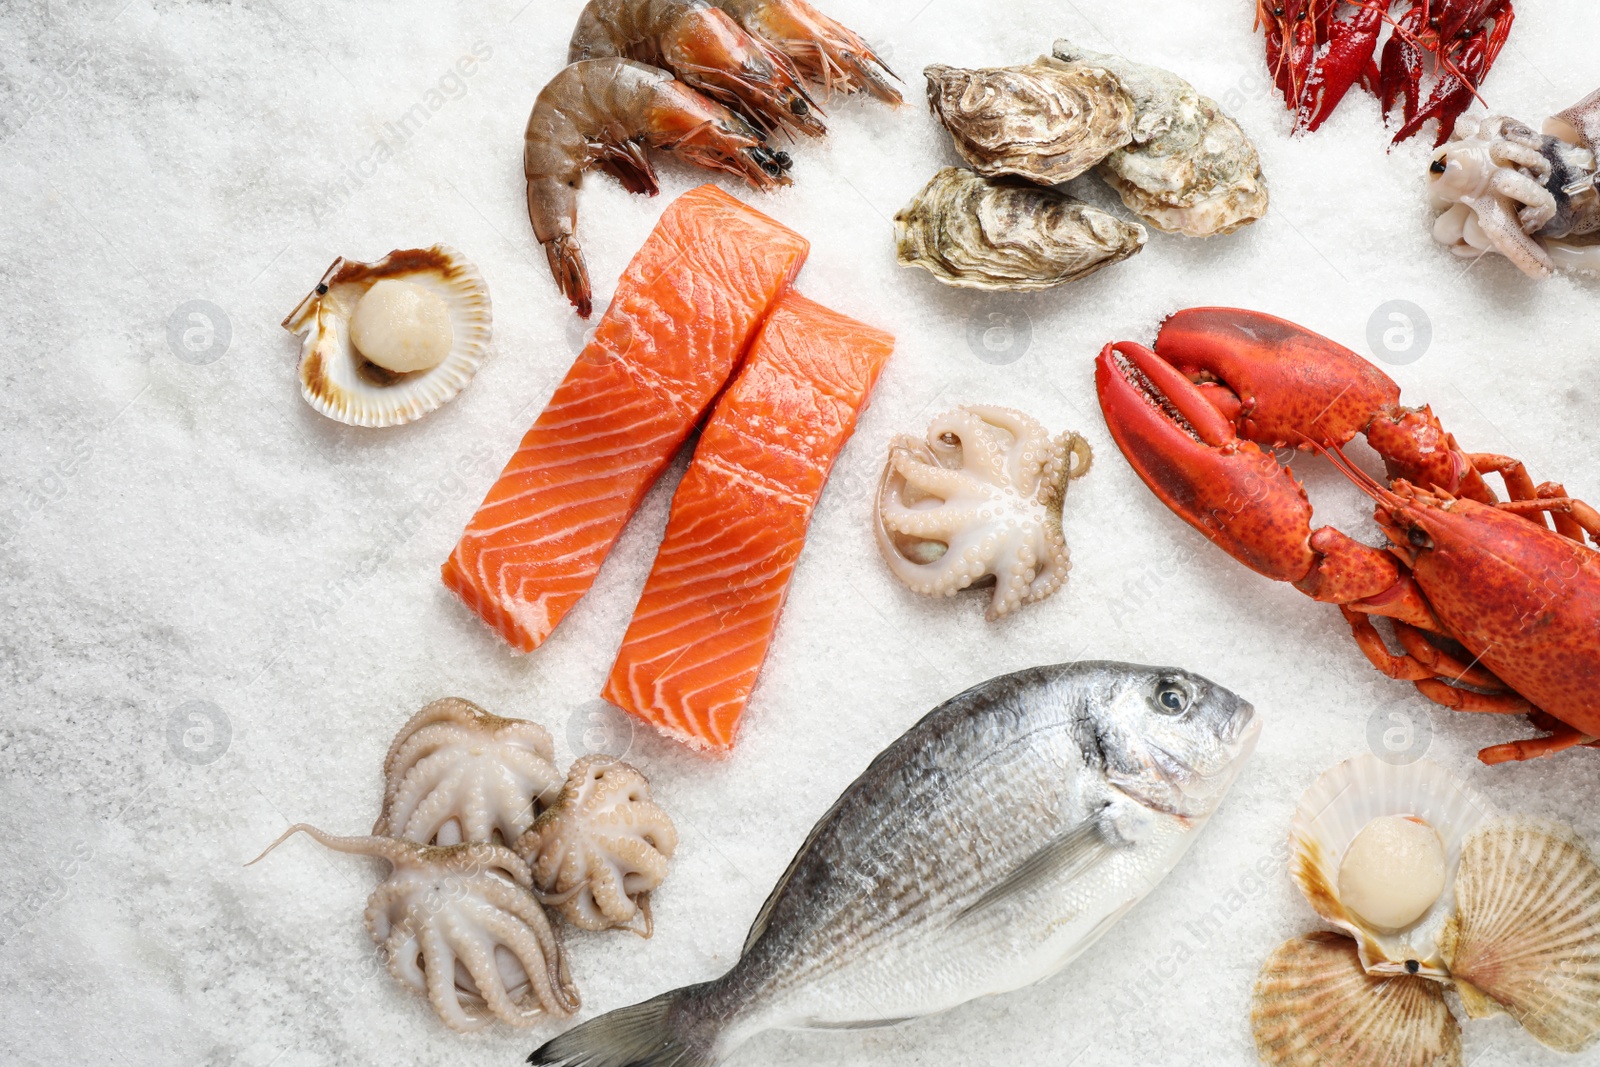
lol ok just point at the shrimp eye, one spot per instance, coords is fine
(1419, 537)
(1277, 12)
(799, 106)
(1437, 166)
(1172, 697)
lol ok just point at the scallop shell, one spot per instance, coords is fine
(976, 233)
(1042, 120)
(1338, 806)
(1190, 168)
(1314, 1006)
(338, 382)
(1526, 935)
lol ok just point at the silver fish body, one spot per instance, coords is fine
(983, 850)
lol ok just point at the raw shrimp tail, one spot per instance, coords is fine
(671, 1029)
(570, 272)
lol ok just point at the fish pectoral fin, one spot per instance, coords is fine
(1066, 856)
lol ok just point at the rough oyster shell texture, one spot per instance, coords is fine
(341, 384)
(1190, 168)
(1314, 1006)
(1043, 121)
(978, 233)
(1526, 934)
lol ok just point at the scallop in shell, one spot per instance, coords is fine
(1335, 812)
(1190, 168)
(1314, 1006)
(1526, 934)
(981, 234)
(1042, 121)
(422, 311)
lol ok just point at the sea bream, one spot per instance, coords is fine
(992, 843)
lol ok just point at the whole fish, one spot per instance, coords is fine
(993, 842)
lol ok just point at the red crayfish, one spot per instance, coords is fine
(1464, 571)
(1315, 56)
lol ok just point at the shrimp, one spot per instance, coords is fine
(826, 52)
(608, 112)
(705, 48)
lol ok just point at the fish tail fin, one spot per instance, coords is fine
(668, 1029)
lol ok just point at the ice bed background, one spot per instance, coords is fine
(220, 605)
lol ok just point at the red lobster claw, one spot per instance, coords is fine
(1189, 455)
(1191, 418)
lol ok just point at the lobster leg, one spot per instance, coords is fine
(1574, 518)
(1442, 664)
(1466, 700)
(1532, 748)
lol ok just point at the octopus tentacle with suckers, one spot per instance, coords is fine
(602, 847)
(460, 925)
(1530, 196)
(457, 773)
(979, 497)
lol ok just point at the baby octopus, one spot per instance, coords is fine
(600, 849)
(460, 925)
(1530, 196)
(457, 773)
(980, 497)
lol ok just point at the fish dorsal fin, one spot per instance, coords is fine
(1066, 856)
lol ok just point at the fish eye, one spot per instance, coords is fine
(1171, 697)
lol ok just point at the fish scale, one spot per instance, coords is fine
(985, 849)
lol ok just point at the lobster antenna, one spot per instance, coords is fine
(1360, 478)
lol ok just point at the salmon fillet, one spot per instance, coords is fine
(738, 522)
(681, 319)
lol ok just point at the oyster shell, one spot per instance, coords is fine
(341, 383)
(1338, 807)
(1526, 935)
(981, 234)
(1314, 1006)
(1190, 168)
(1042, 121)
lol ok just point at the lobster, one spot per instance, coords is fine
(1316, 57)
(1493, 610)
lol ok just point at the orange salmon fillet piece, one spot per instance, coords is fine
(681, 319)
(738, 522)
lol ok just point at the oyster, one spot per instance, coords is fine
(982, 234)
(1042, 121)
(422, 315)
(979, 497)
(1314, 1006)
(1526, 934)
(1334, 813)
(1190, 169)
